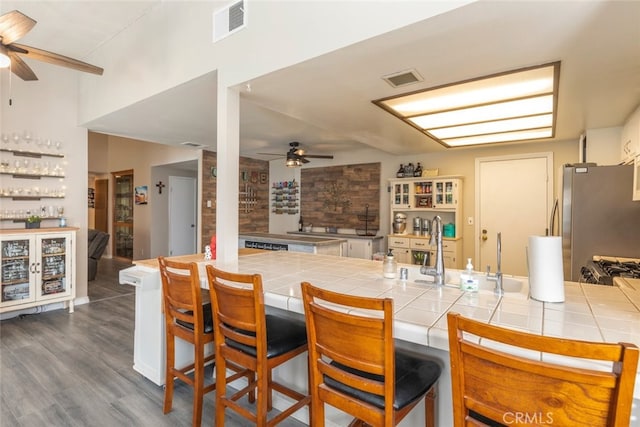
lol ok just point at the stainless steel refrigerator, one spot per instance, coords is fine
(598, 215)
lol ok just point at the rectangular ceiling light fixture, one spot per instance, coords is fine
(512, 106)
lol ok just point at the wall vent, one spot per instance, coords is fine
(229, 19)
(403, 78)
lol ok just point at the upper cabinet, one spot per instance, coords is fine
(425, 193)
(630, 144)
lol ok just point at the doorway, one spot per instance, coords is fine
(514, 197)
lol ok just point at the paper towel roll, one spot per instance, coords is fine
(546, 275)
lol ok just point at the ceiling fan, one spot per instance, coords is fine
(13, 26)
(296, 156)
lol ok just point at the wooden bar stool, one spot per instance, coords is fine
(250, 338)
(492, 385)
(186, 318)
(355, 365)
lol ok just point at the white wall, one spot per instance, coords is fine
(48, 108)
(278, 34)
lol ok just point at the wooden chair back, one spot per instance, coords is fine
(491, 382)
(240, 313)
(182, 298)
(361, 344)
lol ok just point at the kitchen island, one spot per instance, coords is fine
(590, 312)
(285, 242)
(355, 246)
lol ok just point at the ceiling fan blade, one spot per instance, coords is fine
(303, 160)
(318, 156)
(57, 59)
(14, 25)
(20, 68)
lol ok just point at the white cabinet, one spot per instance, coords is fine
(427, 197)
(630, 143)
(361, 248)
(412, 249)
(401, 247)
(38, 267)
(400, 195)
(425, 194)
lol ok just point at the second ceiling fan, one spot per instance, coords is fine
(296, 156)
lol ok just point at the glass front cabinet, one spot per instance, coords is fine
(123, 214)
(37, 268)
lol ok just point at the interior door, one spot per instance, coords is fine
(513, 197)
(182, 215)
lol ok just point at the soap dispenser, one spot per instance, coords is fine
(467, 281)
(389, 266)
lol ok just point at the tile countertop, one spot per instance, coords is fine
(590, 312)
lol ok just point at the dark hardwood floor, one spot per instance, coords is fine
(61, 369)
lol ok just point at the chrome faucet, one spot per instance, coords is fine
(436, 238)
(497, 277)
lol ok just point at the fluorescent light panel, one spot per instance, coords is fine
(500, 108)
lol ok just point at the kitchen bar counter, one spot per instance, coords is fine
(590, 312)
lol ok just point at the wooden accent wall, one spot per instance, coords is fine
(335, 196)
(253, 172)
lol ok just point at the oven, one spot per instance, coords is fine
(602, 270)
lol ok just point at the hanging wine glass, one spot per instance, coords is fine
(27, 136)
(58, 145)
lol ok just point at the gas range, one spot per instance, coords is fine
(602, 270)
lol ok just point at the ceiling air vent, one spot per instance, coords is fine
(191, 144)
(229, 19)
(403, 78)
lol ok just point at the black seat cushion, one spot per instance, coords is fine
(283, 335)
(415, 374)
(208, 319)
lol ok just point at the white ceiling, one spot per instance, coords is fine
(325, 103)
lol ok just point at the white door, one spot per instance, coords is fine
(182, 215)
(513, 196)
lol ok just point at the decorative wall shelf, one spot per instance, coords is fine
(34, 154)
(284, 197)
(30, 175)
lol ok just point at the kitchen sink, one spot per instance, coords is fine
(510, 284)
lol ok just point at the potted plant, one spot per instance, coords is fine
(33, 221)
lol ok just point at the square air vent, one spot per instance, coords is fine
(403, 78)
(229, 19)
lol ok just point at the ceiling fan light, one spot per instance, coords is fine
(5, 61)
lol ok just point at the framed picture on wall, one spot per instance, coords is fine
(141, 195)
